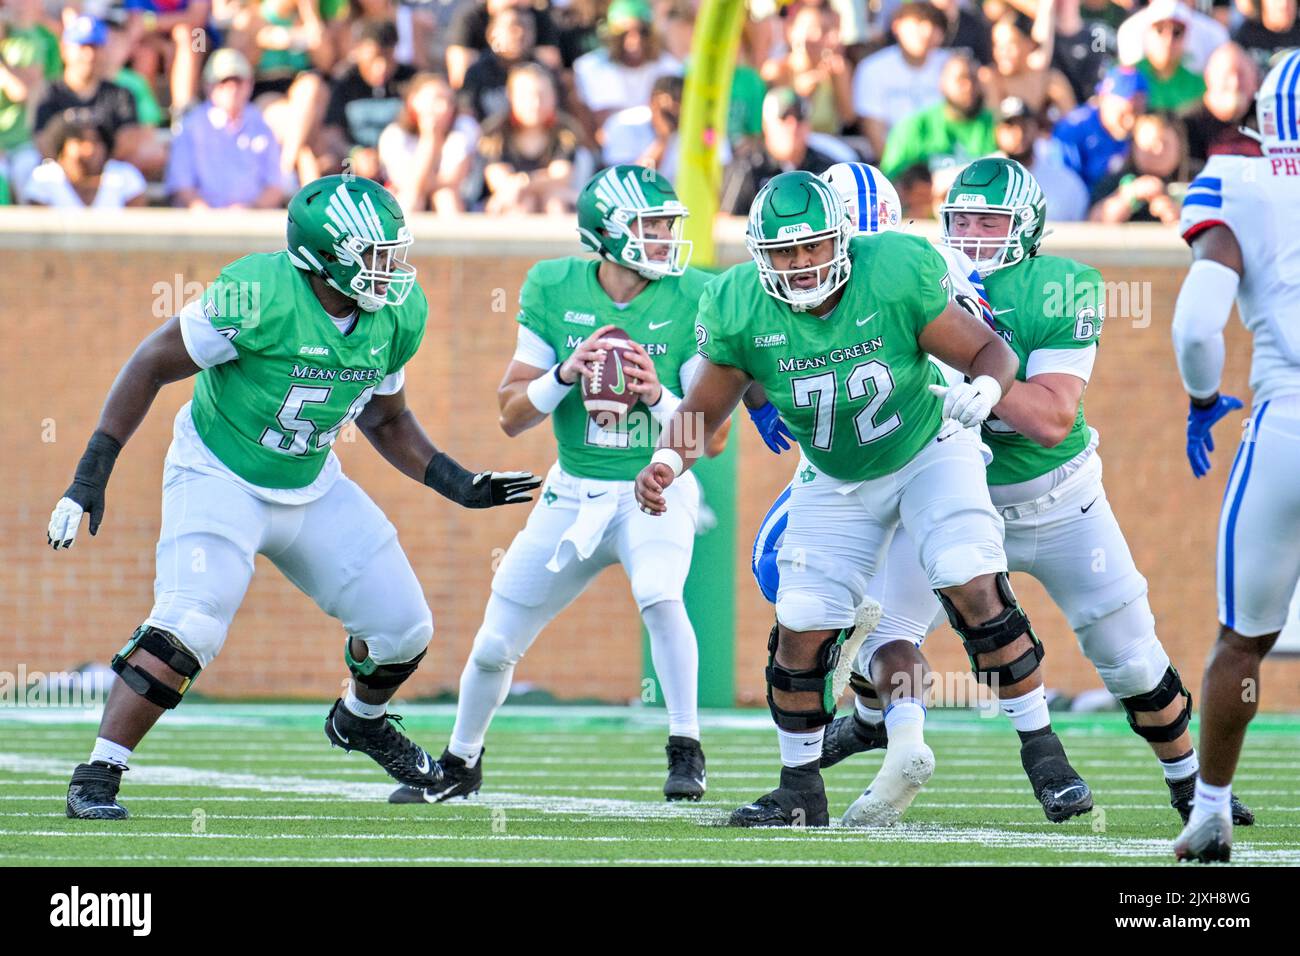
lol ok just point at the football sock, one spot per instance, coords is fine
(1027, 712)
(676, 658)
(481, 693)
(798, 750)
(905, 722)
(105, 751)
(1211, 801)
(1180, 768)
(360, 707)
(869, 715)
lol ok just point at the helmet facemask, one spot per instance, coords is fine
(650, 257)
(988, 253)
(382, 275)
(831, 274)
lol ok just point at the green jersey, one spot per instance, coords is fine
(852, 385)
(563, 303)
(1048, 309)
(272, 413)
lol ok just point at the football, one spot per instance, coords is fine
(605, 393)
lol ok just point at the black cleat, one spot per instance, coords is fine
(378, 738)
(851, 735)
(1058, 788)
(92, 792)
(1181, 793)
(455, 779)
(800, 801)
(686, 777)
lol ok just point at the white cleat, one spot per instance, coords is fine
(865, 619)
(1207, 840)
(904, 772)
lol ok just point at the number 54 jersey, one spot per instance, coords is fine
(852, 385)
(273, 397)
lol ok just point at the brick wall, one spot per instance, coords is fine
(73, 316)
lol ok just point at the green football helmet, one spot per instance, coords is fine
(996, 186)
(351, 232)
(619, 196)
(794, 209)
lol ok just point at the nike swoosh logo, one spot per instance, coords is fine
(1060, 793)
(339, 732)
(811, 743)
(1089, 505)
(659, 325)
(380, 349)
(868, 318)
(601, 495)
(1004, 311)
(422, 766)
(620, 385)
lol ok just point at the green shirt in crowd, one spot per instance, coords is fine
(1182, 90)
(935, 137)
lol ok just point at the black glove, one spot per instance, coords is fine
(86, 490)
(484, 490)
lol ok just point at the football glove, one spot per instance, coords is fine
(483, 490)
(1200, 419)
(969, 403)
(86, 493)
(776, 435)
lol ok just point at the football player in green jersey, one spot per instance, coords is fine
(587, 518)
(289, 348)
(839, 332)
(1045, 478)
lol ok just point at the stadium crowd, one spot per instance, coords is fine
(507, 106)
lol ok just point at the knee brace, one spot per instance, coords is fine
(814, 679)
(168, 649)
(1165, 693)
(1003, 630)
(376, 676)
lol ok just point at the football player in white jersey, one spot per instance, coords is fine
(873, 206)
(1239, 218)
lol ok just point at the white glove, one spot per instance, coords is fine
(64, 522)
(969, 403)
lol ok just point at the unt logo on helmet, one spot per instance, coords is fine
(793, 229)
(974, 199)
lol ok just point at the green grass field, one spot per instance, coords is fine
(238, 784)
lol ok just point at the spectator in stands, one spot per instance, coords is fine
(115, 56)
(815, 67)
(1204, 35)
(577, 29)
(1139, 192)
(225, 156)
(903, 79)
(916, 192)
(29, 59)
(950, 133)
(1019, 136)
(428, 151)
(171, 37)
(784, 147)
(81, 174)
(622, 73)
(1083, 45)
(677, 26)
(366, 98)
(467, 37)
(512, 35)
(1172, 87)
(1231, 82)
(1023, 69)
(967, 30)
(289, 37)
(532, 153)
(81, 94)
(1263, 33)
(1095, 137)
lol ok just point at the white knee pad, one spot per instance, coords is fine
(651, 587)
(195, 625)
(403, 647)
(1125, 650)
(805, 610)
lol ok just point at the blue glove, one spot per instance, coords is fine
(1199, 422)
(768, 422)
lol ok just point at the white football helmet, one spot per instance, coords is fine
(869, 198)
(1277, 108)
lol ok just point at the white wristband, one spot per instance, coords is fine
(666, 456)
(663, 409)
(547, 391)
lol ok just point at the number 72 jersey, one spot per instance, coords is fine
(272, 413)
(851, 386)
